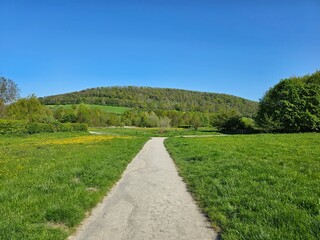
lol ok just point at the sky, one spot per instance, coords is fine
(235, 47)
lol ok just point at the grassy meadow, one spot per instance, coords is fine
(49, 182)
(264, 186)
(110, 109)
(152, 132)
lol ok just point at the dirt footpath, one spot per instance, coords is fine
(149, 202)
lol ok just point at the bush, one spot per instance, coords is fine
(71, 127)
(24, 127)
(34, 127)
(238, 125)
(65, 127)
(80, 127)
(13, 127)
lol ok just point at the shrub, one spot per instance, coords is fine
(23, 127)
(238, 125)
(13, 127)
(34, 127)
(65, 127)
(80, 127)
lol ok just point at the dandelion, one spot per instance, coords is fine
(82, 139)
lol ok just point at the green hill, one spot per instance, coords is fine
(148, 98)
(109, 109)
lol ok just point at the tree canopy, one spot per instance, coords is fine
(29, 109)
(292, 105)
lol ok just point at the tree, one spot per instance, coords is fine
(9, 90)
(83, 115)
(195, 121)
(29, 109)
(152, 119)
(222, 117)
(164, 123)
(292, 105)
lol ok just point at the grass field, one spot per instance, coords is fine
(110, 109)
(48, 182)
(254, 186)
(152, 132)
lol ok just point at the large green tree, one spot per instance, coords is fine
(292, 105)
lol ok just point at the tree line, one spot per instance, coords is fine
(32, 110)
(292, 105)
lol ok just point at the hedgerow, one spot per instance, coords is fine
(25, 127)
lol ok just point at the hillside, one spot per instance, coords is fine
(108, 109)
(147, 98)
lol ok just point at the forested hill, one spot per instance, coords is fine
(147, 98)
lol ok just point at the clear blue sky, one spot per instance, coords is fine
(235, 47)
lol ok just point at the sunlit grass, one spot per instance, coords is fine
(254, 186)
(48, 182)
(152, 132)
(83, 139)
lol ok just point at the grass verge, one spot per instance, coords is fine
(48, 182)
(254, 186)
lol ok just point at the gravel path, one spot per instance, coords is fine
(149, 202)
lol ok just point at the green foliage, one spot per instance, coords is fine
(150, 105)
(238, 124)
(292, 105)
(153, 99)
(13, 127)
(72, 127)
(83, 113)
(222, 117)
(34, 127)
(164, 124)
(151, 120)
(23, 127)
(108, 109)
(2, 108)
(97, 117)
(195, 121)
(47, 180)
(262, 186)
(29, 109)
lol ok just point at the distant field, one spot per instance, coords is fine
(48, 182)
(254, 186)
(152, 132)
(111, 109)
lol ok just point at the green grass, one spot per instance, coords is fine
(110, 109)
(152, 132)
(254, 186)
(48, 182)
